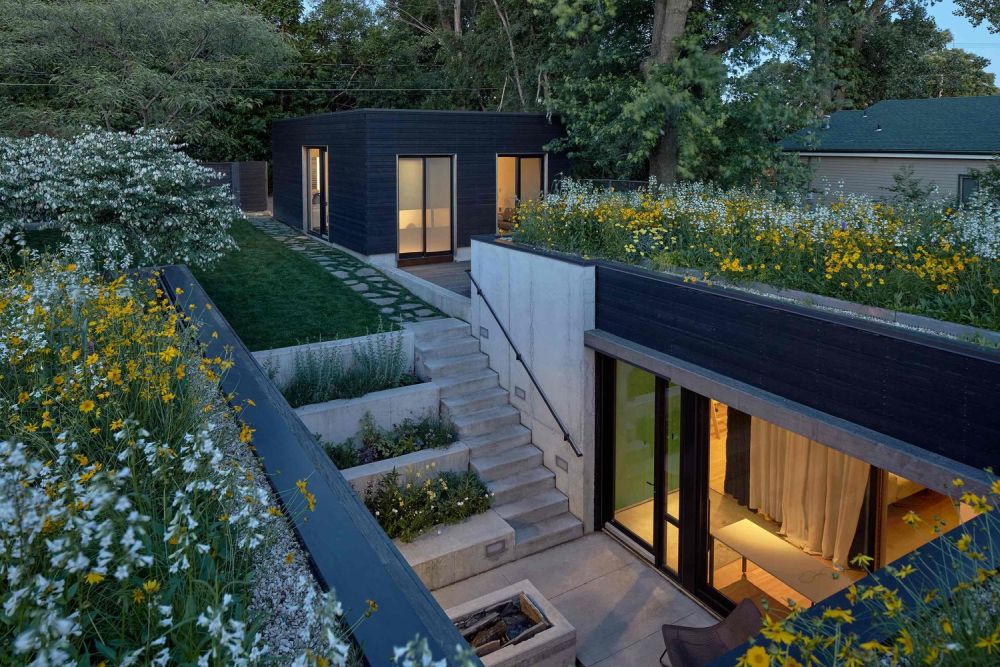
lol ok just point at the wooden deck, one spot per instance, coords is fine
(450, 275)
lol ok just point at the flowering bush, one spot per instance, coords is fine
(122, 199)
(408, 509)
(373, 443)
(916, 611)
(945, 265)
(133, 524)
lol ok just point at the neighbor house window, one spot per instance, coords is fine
(967, 186)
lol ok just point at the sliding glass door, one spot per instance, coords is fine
(424, 207)
(520, 178)
(316, 194)
(642, 420)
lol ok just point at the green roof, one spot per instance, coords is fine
(967, 125)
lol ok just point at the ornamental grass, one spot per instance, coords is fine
(936, 606)
(917, 258)
(131, 527)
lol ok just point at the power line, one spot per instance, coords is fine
(262, 89)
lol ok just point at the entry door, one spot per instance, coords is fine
(316, 194)
(520, 178)
(424, 207)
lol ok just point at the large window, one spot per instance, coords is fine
(737, 507)
(424, 197)
(519, 179)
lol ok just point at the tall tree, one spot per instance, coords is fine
(123, 64)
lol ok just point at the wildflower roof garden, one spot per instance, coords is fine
(966, 125)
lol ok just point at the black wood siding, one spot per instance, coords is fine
(344, 136)
(940, 395)
(364, 145)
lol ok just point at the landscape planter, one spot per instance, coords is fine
(453, 458)
(280, 362)
(340, 419)
(516, 626)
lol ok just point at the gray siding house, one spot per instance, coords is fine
(943, 140)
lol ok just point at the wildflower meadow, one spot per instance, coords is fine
(924, 259)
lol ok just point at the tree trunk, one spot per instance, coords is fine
(669, 22)
(458, 18)
(505, 22)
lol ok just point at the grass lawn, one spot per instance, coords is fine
(275, 297)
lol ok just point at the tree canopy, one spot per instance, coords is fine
(126, 64)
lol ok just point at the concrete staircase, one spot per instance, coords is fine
(501, 448)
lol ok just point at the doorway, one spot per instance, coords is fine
(520, 178)
(316, 191)
(424, 208)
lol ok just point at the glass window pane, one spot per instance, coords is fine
(438, 217)
(531, 178)
(635, 417)
(506, 191)
(410, 194)
(784, 512)
(672, 465)
(314, 155)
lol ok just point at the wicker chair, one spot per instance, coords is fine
(694, 647)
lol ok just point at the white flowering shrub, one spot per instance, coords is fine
(134, 527)
(123, 199)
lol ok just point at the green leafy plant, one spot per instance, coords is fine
(374, 443)
(406, 509)
(323, 375)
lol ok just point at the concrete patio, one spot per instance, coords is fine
(616, 601)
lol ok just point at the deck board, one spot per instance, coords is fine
(450, 275)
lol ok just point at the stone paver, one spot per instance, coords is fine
(397, 303)
(616, 602)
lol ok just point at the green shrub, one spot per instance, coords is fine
(323, 375)
(404, 511)
(377, 444)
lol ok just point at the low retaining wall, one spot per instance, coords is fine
(447, 554)
(338, 420)
(280, 362)
(453, 458)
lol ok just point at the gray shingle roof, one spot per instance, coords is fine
(967, 125)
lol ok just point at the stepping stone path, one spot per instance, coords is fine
(395, 302)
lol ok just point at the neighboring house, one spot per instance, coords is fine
(943, 140)
(410, 186)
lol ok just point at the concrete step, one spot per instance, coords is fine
(493, 397)
(465, 383)
(445, 366)
(484, 421)
(439, 330)
(520, 485)
(533, 508)
(509, 462)
(499, 440)
(450, 347)
(540, 535)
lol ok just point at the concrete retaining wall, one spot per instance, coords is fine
(280, 362)
(339, 420)
(453, 458)
(448, 554)
(546, 305)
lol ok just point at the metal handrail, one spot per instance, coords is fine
(531, 376)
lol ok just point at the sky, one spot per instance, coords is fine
(976, 40)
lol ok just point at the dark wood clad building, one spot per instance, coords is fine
(410, 185)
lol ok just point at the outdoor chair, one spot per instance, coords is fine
(694, 647)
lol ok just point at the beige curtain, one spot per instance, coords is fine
(814, 492)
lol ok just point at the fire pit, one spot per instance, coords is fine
(507, 622)
(516, 626)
